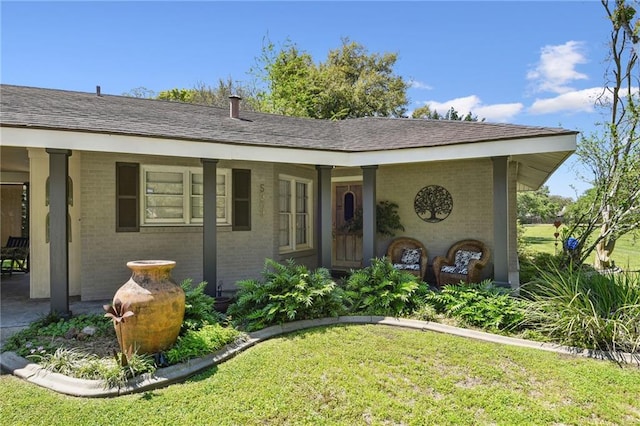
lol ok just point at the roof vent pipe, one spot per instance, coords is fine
(234, 106)
(97, 90)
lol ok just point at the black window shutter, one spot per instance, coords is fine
(127, 193)
(241, 194)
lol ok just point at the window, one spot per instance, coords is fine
(295, 206)
(174, 195)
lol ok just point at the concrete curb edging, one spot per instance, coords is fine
(33, 373)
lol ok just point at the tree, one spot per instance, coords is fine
(426, 112)
(539, 206)
(140, 92)
(350, 83)
(290, 77)
(612, 156)
(219, 96)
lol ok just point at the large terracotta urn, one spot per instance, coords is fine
(157, 303)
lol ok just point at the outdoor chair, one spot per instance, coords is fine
(15, 255)
(464, 262)
(408, 254)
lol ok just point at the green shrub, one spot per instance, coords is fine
(532, 263)
(199, 307)
(201, 342)
(480, 305)
(424, 312)
(288, 292)
(587, 309)
(381, 289)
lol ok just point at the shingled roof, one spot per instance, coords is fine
(29, 107)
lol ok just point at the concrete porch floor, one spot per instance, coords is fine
(17, 311)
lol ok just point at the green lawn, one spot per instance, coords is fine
(626, 253)
(360, 375)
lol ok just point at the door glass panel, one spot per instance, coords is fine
(349, 206)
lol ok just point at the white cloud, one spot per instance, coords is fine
(576, 101)
(500, 113)
(474, 105)
(556, 68)
(414, 84)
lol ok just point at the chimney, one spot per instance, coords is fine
(97, 90)
(234, 106)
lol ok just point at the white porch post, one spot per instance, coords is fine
(58, 231)
(500, 220)
(323, 217)
(368, 214)
(209, 226)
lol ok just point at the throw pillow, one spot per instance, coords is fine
(406, 267)
(463, 257)
(411, 256)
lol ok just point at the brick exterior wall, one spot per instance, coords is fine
(241, 254)
(105, 252)
(470, 184)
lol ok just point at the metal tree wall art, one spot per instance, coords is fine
(433, 203)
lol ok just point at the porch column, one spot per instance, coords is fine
(368, 214)
(323, 217)
(209, 226)
(58, 231)
(500, 220)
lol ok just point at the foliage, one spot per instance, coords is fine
(480, 305)
(198, 307)
(540, 238)
(215, 96)
(533, 262)
(38, 336)
(424, 312)
(350, 83)
(539, 206)
(381, 289)
(74, 363)
(387, 219)
(587, 309)
(140, 92)
(612, 156)
(288, 292)
(426, 112)
(201, 342)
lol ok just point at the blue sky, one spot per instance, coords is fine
(535, 63)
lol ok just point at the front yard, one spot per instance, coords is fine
(365, 374)
(360, 375)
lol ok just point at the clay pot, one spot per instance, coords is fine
(158, 306)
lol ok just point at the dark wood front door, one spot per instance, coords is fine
(347, 225)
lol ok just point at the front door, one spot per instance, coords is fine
(347, 225)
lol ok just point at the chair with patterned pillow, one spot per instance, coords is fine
(464, 262)
(408, 254)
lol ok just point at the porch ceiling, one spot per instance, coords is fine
(535, 169)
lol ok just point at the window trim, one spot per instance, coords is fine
(293, 246)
